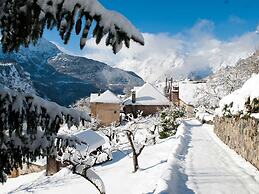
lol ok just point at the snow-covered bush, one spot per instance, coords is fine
(242, 102)
(204, 115)
(82, 105)
(135, 133)
(81, 162)
(23, 22)
(169, 121)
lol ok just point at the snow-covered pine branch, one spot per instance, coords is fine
(23, 22)
(29, 127)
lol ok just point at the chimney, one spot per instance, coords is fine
(133, 96)
(175, 93)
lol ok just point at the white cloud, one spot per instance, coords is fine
(196, 49)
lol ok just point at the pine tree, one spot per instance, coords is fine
(23, 22)
(28, 124)
(169, 122)
(29, 129)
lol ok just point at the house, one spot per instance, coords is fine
(184, 94)
(146, 99)
(105, 108)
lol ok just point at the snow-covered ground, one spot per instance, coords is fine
(194, 161)
(117, 175)
(203, 164)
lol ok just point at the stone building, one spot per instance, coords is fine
(105, 108)
(183, 94)
(146, 99)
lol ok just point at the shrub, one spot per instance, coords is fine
(169, 121)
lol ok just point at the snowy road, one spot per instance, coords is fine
(203, 164)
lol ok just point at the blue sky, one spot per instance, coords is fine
(230, 18)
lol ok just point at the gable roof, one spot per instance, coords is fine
(93, 96)
(148, 95)
(106, 97)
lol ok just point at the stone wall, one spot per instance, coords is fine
(241, 135)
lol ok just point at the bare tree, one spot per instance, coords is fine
(137, 133)
(80, 163)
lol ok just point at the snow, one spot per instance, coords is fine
(202, 115)
(240, 96)
(194, 161)
(93, 140)
(188, 91)
(106, 97)
(41, 161)
(111, 21)
(116, 174)
(255, 115)
(148, 95)
(204, 164)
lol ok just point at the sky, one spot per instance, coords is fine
(184, 36)
(230, 17)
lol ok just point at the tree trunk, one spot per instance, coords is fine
(153, 134)
(53, 166)
(135, 162)
(135, 155)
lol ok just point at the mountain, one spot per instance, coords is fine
(59, 77)
(241, 72)
(178, 56)
(227, 80)
(13, 76)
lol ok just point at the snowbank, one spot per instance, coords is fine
(240, 96)
(171, 166)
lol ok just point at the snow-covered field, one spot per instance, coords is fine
(117, 175)
(194, 161)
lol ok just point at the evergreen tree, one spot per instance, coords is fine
(169, 121)
(29, 129)
(23, 22)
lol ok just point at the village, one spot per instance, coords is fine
(165, 102)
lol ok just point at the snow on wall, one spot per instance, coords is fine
(240, 96)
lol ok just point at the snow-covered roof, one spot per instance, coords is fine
(148, 95)
(93, 139)
(187, 92)
(93, 96)
(106, 97)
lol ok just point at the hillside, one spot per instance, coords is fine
(60, 77)
(228, 79)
